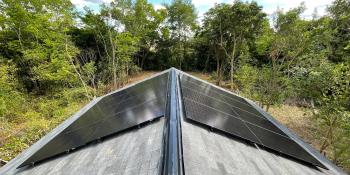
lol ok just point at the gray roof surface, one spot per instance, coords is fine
(209, 153)
(137, 151)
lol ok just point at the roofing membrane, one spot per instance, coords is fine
(171, 123)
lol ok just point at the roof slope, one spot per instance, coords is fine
(171, 144)
(132, 152)
(207, 152)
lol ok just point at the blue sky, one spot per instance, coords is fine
(269, 6)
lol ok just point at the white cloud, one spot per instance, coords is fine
(84, 2)
(158, 6)
(107, 1)
(80, 3)
(202, 6)
(206, 2)
(92, 4)
(270, 6)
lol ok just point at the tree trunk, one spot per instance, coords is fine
(325, 143)
(218, 73)
(183, 54)
(114, 68)
(144, 55)
(232, 64)
(267, 107)
(20, 38)
(206, 64)
(218, 68)
(76, 71)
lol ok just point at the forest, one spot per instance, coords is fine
(54, 59)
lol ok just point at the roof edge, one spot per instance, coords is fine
(311, 150)
(24, 155)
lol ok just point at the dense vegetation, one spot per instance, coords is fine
(53, 59)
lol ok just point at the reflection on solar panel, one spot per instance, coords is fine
(113, 113)
(231, 114)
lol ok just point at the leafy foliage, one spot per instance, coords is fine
(10, 97)
(53, 58)
(34, 38)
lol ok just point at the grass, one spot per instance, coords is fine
(299, 120)
(42, 114)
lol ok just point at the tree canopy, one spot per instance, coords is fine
(55, 55)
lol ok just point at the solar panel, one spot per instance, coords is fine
(116, 112)
(213, 107)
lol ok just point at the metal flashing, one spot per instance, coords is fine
(172, 162)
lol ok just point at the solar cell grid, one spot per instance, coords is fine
(202, 103)
(231, 114)
(226, 123)
(234, 101)
(223, 107)
(282, 144)
(113, 113)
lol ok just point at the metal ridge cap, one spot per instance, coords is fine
(172, 151)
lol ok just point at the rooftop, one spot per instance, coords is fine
(166, 135)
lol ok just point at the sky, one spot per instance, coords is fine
(269, 6)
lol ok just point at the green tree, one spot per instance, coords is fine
(119, 23)
(340, 27)
(145, 24)
(35, 38)
(11, 97)
(181, 20)
(127, 46)
(328, 85)
(232, 26)
(215, 27)
(283, 47)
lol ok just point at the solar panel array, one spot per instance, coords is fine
(113, 113)
(232, 114)
(145, 101)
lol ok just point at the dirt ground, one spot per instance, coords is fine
(299, 120)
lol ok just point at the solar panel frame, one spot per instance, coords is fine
(228, 110)
(226, 97)
(218, 91)
(272, 138)
(130, 107)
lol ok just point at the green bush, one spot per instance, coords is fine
(11, 99)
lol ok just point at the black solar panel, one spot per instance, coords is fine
(113, 113)
(231, 114)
